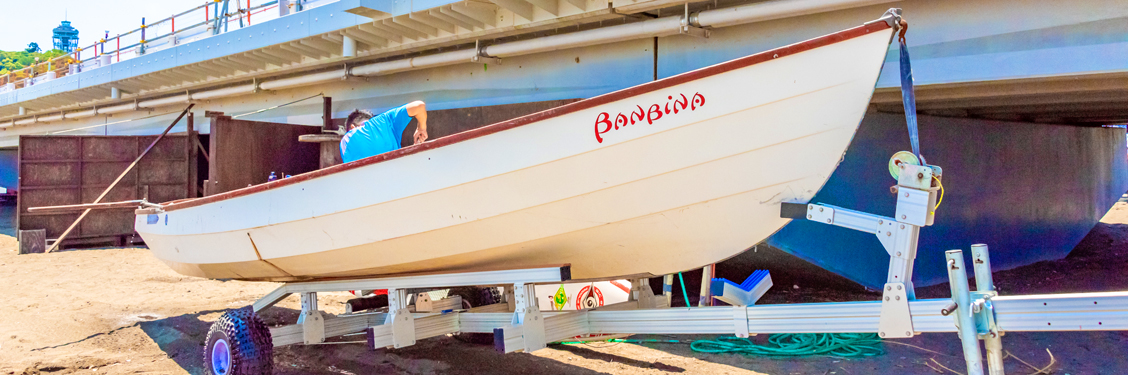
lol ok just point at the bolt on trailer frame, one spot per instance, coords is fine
(518, 325)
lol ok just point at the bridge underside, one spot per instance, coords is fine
(1007, 60)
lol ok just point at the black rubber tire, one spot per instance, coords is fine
(368, 303)
(476, 296)
(252, 349)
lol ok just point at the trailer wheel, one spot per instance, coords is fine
(475, 296)
(239, 343)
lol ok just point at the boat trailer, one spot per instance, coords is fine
(244, 342)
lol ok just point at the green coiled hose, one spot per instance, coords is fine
(797, 344)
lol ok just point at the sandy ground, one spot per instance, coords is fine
(120, 311)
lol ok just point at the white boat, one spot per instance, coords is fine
(658, 178)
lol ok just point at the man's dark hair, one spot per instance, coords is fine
(358, 116)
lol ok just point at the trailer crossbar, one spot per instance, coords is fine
(547, 274)
(1042, 313)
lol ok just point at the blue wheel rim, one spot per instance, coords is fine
(221, 357)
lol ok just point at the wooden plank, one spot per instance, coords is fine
(200, 147)
(79, 207)
(32, 241)
(82, 181)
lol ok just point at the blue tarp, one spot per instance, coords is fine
(8, 169)
(1029, 191)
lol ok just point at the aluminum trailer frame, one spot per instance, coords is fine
(518, 325)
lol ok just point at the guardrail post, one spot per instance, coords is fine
(965, 323)
(984, 283)
(141, 45)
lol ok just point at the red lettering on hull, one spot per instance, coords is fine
(655, 112)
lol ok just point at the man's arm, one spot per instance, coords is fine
(418, 110)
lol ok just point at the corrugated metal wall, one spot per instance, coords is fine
(63, 170)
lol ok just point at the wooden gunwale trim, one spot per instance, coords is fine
(727, 66)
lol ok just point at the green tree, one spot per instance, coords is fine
(16, 60)
(33, 47)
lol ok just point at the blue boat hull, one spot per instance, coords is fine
(1029, 191)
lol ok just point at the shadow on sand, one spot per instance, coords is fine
(182, 337)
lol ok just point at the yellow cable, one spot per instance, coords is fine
(941, 198)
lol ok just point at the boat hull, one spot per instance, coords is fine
(646, 181)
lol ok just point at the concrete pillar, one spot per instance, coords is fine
(23, 111)
(115, 93)
(348, 46)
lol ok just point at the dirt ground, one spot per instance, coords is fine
(120, 311)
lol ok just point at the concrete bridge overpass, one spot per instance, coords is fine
(1014, 60)
(997, 72)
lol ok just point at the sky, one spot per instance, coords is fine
(34, 23)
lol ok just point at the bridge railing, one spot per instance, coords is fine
(200, 22)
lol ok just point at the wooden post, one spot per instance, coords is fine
(330, 141)
(211, 185)
(706, 295)
(19, 186)
(331, 152)
(190, 143)
(327, 115)
(32, 241)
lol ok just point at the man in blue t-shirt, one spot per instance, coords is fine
(367, 135)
